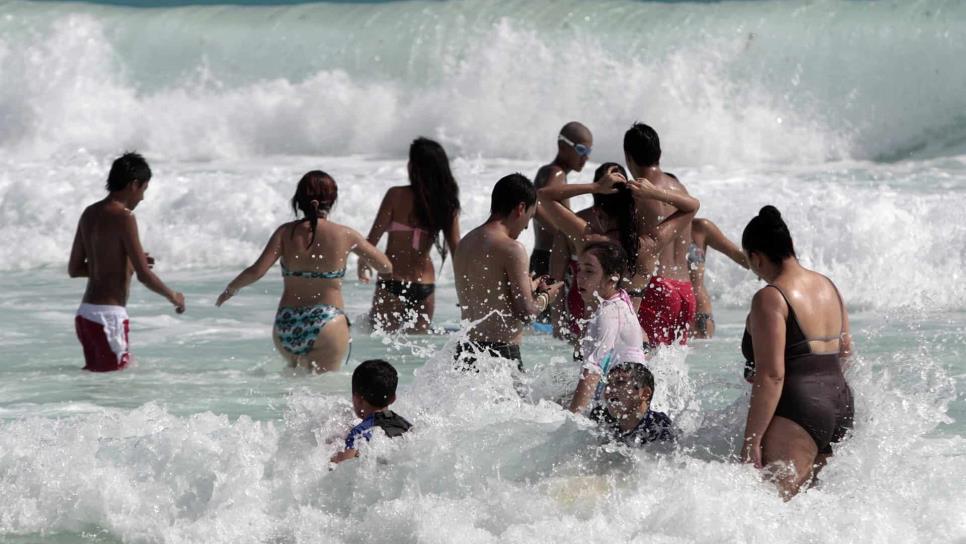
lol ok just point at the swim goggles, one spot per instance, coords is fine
(581, 149)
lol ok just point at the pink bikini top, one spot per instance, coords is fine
(395, 226)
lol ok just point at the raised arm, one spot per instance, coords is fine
(77, 265)
(646, 195)
(554, 212)
(379, 226)
(721, 243)
(767, 326)
(369, 254)
(265, 261)
(142, 267)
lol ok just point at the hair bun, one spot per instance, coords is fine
(771, 214)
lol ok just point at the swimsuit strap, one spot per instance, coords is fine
(311, 274)
(396, 226)
(793, 317)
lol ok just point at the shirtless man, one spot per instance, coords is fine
(573, 149)
(107, 251)
(668, 305)
(492, 283)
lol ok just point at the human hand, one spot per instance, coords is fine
(552, 289)
(225, 295)
(344, 455)
(607, 184)
(363, 273)
(178, 301)
(751, 452)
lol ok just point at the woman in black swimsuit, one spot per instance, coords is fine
(796, 339)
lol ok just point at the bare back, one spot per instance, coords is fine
(672, 260)
(100, 235)
(817, 306)
(482, 266)
(408, 251)
(327, 254)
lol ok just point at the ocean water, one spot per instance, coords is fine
(848, 116)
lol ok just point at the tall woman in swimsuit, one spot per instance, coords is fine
(796, 338)
(311, 329)
(414, 215)
(705, 234)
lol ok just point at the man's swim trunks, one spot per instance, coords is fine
(466, 353)
(103, 333)
(667, 310)
(390, 422)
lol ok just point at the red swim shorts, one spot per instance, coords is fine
(103, 333)
(667, 310)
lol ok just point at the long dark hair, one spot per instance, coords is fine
(621, 207)
(768, 235)
(436, 196)
(314, 196)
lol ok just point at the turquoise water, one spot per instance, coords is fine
(209, 438)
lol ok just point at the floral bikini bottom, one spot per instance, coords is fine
(297, 328)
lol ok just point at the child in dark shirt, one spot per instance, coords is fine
(373, 390)
(625, 413)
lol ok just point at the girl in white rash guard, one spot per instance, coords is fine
(613, 334)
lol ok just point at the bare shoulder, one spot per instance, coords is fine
(768, 299)
(549, 174)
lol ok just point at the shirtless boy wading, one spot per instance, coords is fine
(107, 251)
(492, 281)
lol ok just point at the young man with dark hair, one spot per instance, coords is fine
(626, 415)
(373, 390)
(107, 251)
(494, 287)
(668, 305)
(574, 144)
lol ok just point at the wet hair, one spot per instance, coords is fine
(639, 373)
(575, 131)
(375, 381)
(767, 234)
(435, 192)
(126, 169)
(621, 207)
(612, 259)
(642, 144)
(314, 196)
(510, 192)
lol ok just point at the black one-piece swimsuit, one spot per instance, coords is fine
(814, 393)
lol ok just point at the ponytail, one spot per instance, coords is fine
(314, 197)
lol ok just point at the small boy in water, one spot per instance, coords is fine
(625, 413)
(373, 390)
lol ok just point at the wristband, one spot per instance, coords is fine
(543, 300)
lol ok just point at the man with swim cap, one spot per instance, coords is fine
(107, 251)
(668, 304)
(574, 144)
(494, 289)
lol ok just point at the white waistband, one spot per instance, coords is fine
(95, 312)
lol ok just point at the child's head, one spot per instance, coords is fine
(373, 386)
(630, 387)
